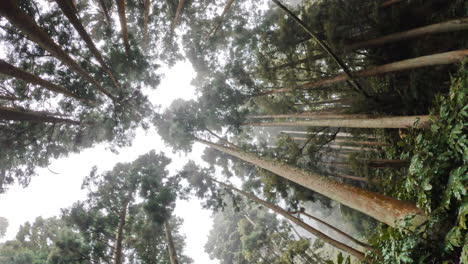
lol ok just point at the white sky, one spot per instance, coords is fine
(49, 192)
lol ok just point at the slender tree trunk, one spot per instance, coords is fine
(350, 78)
(350, 177)
(123, 25)
(176, 20)
(364, 245)
(10, 98)
(424, 61)
(105, 10)
(385, 163)
(10, 70)
(382, 208)
(360, 143)
(70, 13)
(390, 2)
(221, 17)
(10, 9)
(119, 236)
(170, 244)
(299, 222)
(145, 23)
(310, 115)
(380, 122)
(444, 27)
(15, 114)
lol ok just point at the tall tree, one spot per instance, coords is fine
(10, 70)
(424, 61)
(71, 13)
(11, 10)
(179, 127)
(123, 25)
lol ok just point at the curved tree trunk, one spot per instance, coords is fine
(424, 61)
(297, 221)
(10, 70)
(10, 9)
(123, 25)
(16, 114)
(180, 6)
(444, 27)
(382, 208)
(380, 122)
(366, 246)
(119, 235)
(170, 244)
(221, 17)
(70, 12)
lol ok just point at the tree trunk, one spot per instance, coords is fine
(350, 177)
(70, 13)
(380, 122)
(424, 61)
(361, 143)
(350, 77)
(382, 208)
(177, 14)
(145, 23)
(16, 114)
(119, 236)
(311, 115)
(10, 98)
(105, 10)
(221, 17)
(123, 25)
(10, 9)
(444, 27)
(385, 163)
(10, 70)
(170, 244)
(364, 245)
(299, 222)
(390, 2)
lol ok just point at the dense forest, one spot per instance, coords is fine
(335, 131)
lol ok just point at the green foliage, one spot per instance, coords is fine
(437, 180)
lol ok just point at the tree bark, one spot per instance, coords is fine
(297, 221)
(105, 10)
(10, 70)
(311, 115)
(180, 6)
(170, 244)
(16, 114)
(424, 61)
(119, 236)
(10, 9)
(364, 245)
(70, 13)
(221, 17)
(390, 2)
(380, 122)
(145, 23)
(382, 208)
(123, 25)
(444, 27)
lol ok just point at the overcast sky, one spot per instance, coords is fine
(49, 192)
